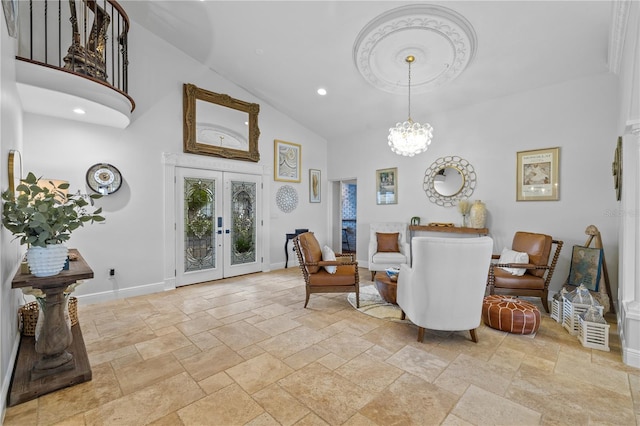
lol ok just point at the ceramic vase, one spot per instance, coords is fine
(478, 215)
(47, 261)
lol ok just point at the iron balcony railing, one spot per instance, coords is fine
(83, 37)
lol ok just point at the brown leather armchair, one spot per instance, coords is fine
(316, 277)
(539, 270)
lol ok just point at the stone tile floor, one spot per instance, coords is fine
(243, 351)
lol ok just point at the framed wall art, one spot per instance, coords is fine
(537, 175)
(616, 169)
(387, 186)
(314, 186)
(287, 159)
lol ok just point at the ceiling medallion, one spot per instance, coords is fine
(442, 38)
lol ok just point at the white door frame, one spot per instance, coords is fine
(172, 160)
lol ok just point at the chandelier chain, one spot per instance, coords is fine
(409, 90)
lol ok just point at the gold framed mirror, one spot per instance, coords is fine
(219, 125)
(448, 180)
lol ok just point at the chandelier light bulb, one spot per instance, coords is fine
(410, 138)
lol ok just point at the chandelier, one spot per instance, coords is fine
(410, 138)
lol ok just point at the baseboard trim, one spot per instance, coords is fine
(108, 296)
(6, 380)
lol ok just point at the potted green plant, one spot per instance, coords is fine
(44, 219)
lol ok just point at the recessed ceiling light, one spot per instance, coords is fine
(322, 91)
(79, 111)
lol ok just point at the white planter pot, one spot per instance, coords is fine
(47, 261)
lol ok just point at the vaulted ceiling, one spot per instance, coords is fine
(283, 51)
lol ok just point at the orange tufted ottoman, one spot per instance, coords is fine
(507, 313)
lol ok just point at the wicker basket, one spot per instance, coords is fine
(28, 316)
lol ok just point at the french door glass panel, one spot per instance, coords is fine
(217, 225)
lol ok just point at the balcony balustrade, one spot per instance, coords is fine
(79, 50)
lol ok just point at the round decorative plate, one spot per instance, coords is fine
(287, 198)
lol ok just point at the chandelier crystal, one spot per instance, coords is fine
(410, 138)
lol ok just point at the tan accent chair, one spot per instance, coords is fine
(316, 277)
(537, 277)
(444, 288)
(380, 260)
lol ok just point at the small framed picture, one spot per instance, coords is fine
(537, 175)
(387, 186)
(287, 159)
(314, 186)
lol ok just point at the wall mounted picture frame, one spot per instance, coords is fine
(616, 169)
(287, 161)
(387, 186)
(314, 186)
(537, 175)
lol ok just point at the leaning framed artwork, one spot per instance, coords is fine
(537, 175)
(387, 186)
(287, 159)
(314, 186)
(586, 264)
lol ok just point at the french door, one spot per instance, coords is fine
(218, 225)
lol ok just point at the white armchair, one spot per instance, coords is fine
(445, 287)
(381, 260)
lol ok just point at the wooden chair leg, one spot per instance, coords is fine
(306, 299)
(403, 315)
(357, 298)
(474, 336)
(545, 302)
(373, 273)
(420, 334)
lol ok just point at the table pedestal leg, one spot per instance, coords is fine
(55, 336)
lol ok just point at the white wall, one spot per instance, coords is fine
(131, 239)
(10, 138)
(577, 116)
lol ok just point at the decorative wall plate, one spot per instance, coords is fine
(287, 198)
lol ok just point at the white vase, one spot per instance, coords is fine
(477, 215)
(47, 261)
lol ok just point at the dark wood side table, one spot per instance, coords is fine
(286, 244)
(58, 358)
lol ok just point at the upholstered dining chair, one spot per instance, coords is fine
(336, 273)
(445, 286)
(527, 268)
(388, 246)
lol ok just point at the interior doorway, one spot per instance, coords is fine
(349, 215)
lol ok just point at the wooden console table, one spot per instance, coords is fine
(449, 229)
(58, 358)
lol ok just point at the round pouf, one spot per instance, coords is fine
(510, 314)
